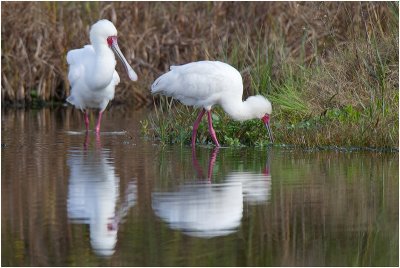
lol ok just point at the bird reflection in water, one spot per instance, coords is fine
(202, 209)
(206, 209)
(256, 186)
(94, 194)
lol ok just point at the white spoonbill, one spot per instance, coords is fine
(206, 83)
(92, 72)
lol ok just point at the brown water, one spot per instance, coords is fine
(70, 199)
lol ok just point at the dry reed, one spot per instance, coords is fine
(153, 35)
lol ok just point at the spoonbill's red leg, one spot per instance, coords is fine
(196, 126)
(98, 122)
(211, 129)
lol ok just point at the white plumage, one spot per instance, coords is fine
(208, 83)
(92, 72)
(200, 84)
(86, 92)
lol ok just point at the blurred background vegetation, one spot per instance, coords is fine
(328, 67)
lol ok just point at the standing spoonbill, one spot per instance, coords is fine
(92, 72)
(206, 83)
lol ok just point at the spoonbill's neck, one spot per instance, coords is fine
(102, 48)
(238, 109)
(104, 66)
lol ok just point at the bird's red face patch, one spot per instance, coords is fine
(111, 40)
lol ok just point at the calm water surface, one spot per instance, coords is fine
(115, 199)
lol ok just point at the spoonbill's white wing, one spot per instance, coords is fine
(116, 78)
(201, 83)
(78, 60)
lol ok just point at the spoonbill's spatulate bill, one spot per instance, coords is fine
(206, 83)
(92, 72)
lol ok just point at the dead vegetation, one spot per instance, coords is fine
(153, 35)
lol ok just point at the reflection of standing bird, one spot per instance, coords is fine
(93, 195)
(92, 72)
(206, 83)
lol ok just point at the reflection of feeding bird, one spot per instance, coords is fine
(93, 195)
(201, 209)
(211, 162)
(205, 209)
(207, 83)
(92, 72)
(256, 186)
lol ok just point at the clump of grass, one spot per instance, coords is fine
(169, 124)
(175, 127)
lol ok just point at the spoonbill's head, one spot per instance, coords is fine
(104, 32)
(263, 109)
(101, 31)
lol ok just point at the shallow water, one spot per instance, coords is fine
(115, 199)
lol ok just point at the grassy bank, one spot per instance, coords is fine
(347, 98)
(330, 69)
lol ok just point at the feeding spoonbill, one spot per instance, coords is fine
(92, 72)
(207, 83)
